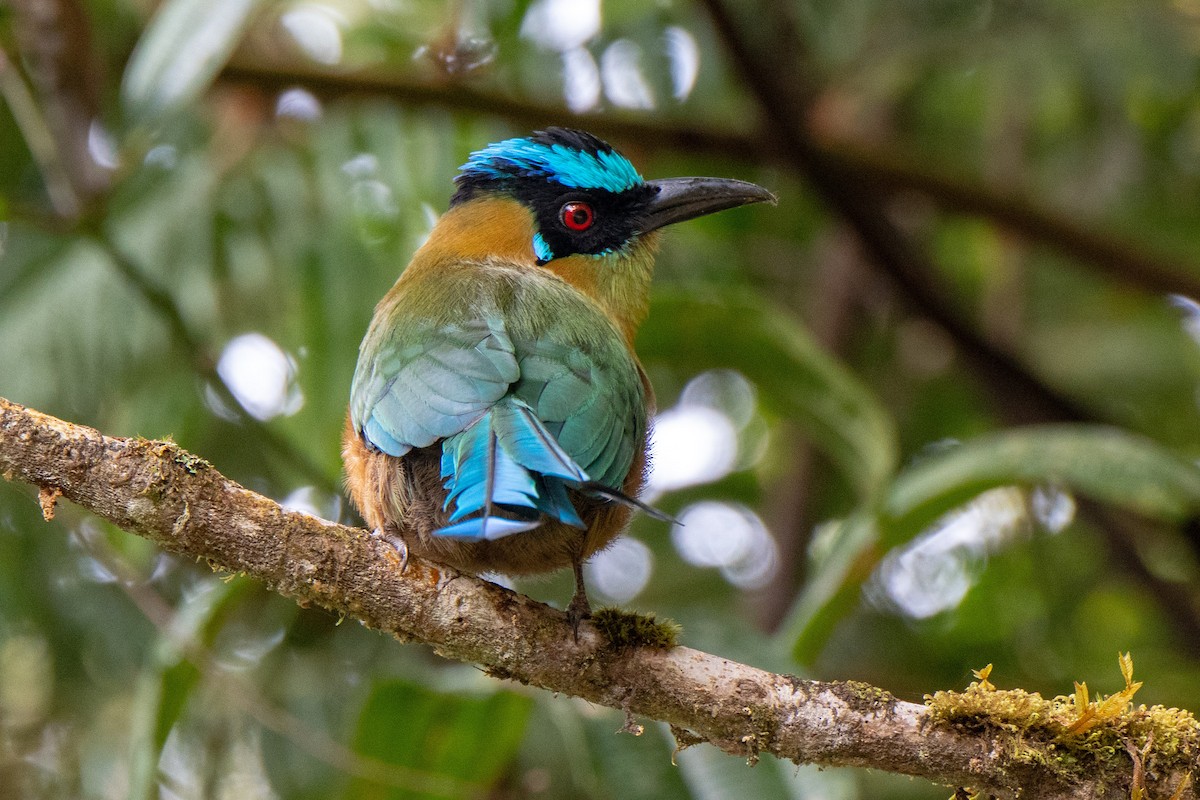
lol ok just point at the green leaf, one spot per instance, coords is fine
(837, 573)
(796, 379)
(182, 49)
(1107, 464)
(441, 745)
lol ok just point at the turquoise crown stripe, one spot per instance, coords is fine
(578, 169)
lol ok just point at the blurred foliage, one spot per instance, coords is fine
(173, 196)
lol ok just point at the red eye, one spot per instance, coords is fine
(577, 216)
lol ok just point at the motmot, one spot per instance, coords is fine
(498, 414)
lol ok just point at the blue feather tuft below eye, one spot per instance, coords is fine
(541, 249)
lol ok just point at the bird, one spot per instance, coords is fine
(498, 413)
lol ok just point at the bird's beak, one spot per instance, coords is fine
(680, 199)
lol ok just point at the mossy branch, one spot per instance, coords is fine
(179, 501)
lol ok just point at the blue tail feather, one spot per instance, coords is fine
(487, 528)
(507, 458)
(558, 504)
(526, 439)
(475, 462)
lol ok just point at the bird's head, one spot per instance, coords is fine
(585, 197)
(566, 201)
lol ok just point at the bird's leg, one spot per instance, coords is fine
(579, 609)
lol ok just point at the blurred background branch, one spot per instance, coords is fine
(1134, 263)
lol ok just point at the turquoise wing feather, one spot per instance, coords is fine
(525, 438)
(596, 413)
(535, 393)
(431, 385)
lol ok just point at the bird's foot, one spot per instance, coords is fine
(579, 610)
(396, 542)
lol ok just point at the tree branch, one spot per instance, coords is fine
(1136, 264)
(180, 502)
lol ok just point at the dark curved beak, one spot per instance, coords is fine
(680, 199)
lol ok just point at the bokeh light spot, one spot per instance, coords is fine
(102, 147)
(581, 80)
(621, 571)
(698, 440)
(933, 573)
(726, 390)
(261, 376)
(299, 104)
(621, 72)
(691, 444)
(163, 156)
(684, 55)
(317, 30)
(729, 537)
(561, 24)
(1053, 508)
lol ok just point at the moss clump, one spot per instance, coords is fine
(1012, 710)
(625, 629)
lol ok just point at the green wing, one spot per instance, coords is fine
(430, 382)
(594, 408)
(441, 357)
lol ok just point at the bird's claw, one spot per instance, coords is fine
(396, 542)
(402, 548)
